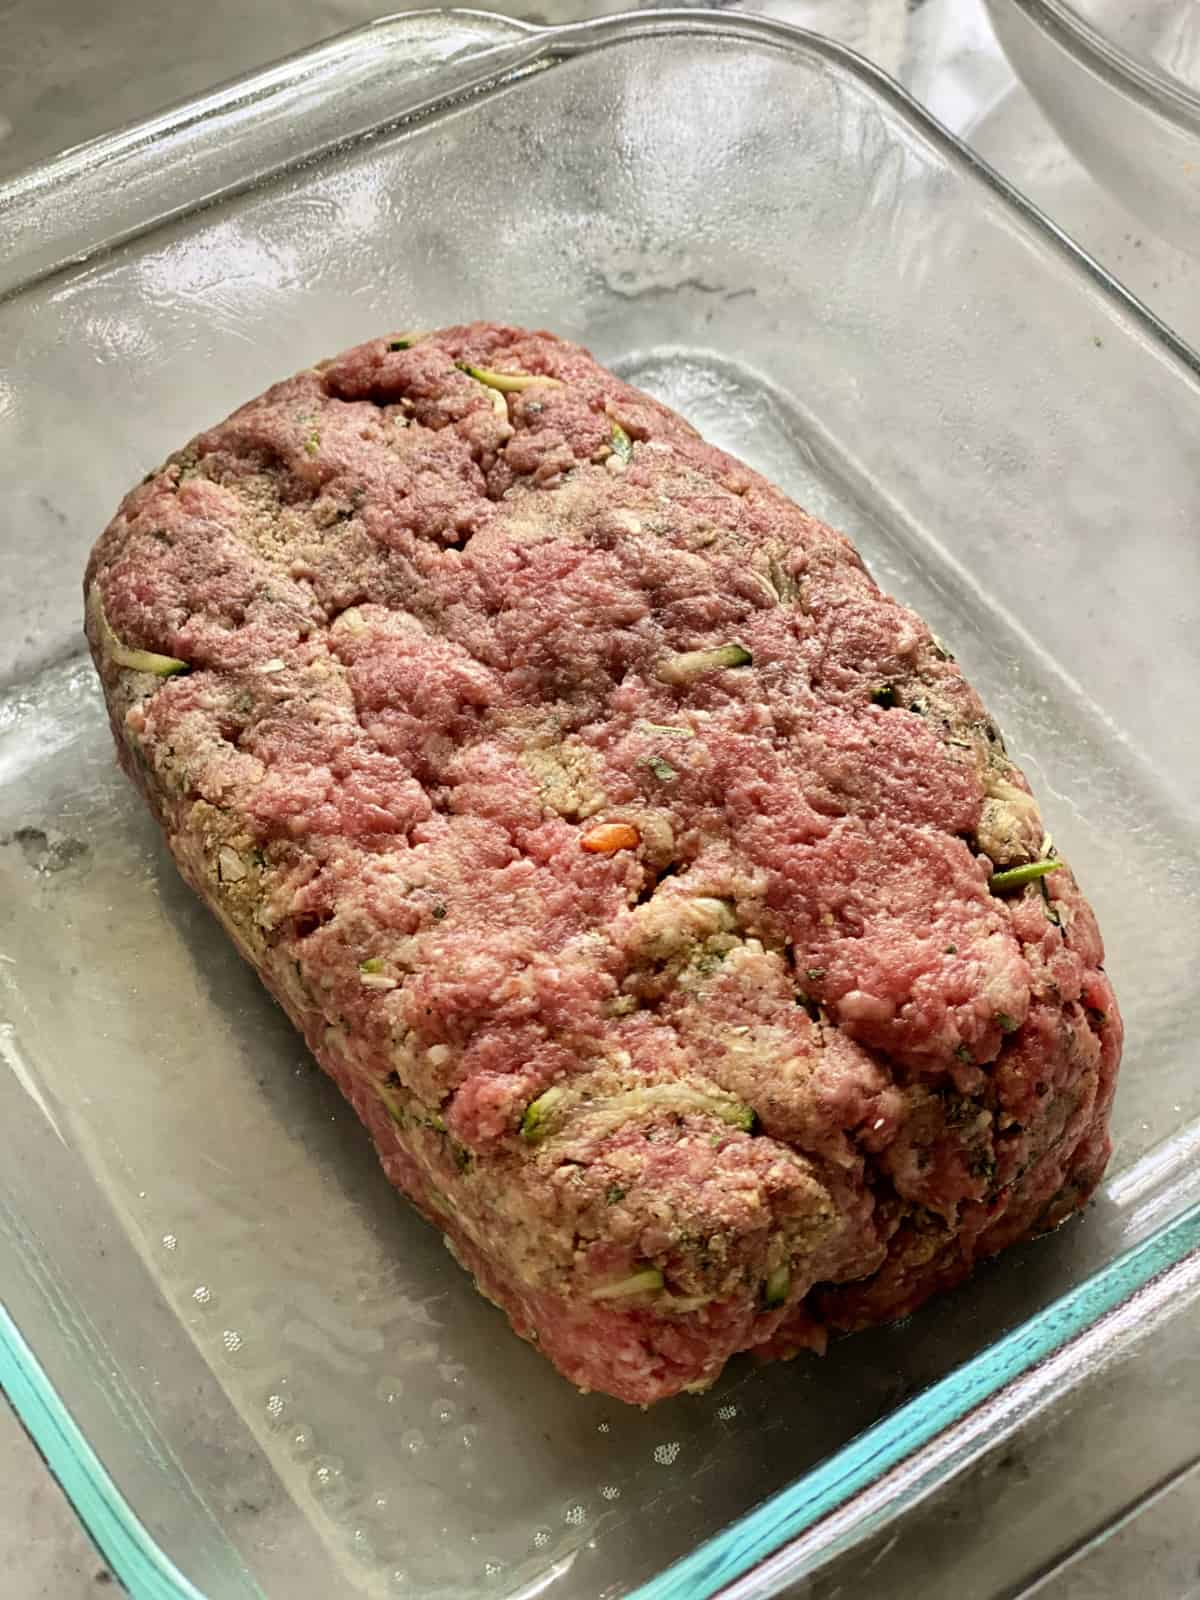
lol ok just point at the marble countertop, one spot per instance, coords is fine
(64, 77)
(44, 1552)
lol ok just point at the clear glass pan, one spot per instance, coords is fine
(255, 1370)
(1120, 81)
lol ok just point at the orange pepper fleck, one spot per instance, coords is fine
(611, 836)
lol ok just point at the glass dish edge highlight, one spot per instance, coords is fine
(906, 1435)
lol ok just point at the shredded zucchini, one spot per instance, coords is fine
(779, 1281)
(506, 382)
(647, 1281)
(622, 444)
(1018, 877)
(558, 1105)
(695, 663)
(125, 655)
(537, 1113)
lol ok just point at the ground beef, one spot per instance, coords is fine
(641, 873)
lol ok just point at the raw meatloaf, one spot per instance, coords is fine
(655, 888)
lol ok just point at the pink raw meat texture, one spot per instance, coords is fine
(787, 1059)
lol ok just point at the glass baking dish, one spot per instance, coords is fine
(1121, 84)
(255, 1370)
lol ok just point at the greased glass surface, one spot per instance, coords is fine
(1120, 81)
(1161, 35)
(748, 224)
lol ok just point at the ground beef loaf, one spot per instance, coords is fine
(655, 888)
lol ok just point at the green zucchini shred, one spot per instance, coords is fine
(125, 655)
(622, 444)
(779, 1282)
(647, 1281)
(739, 1116)
(691, 664)
(534, 1124)
(506, 382)
(1018, 877)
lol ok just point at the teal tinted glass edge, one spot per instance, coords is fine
(790, 1512)
(138, 1561)
(149, 1574)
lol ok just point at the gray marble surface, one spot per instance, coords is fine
(71, 69)
(44, 1552)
